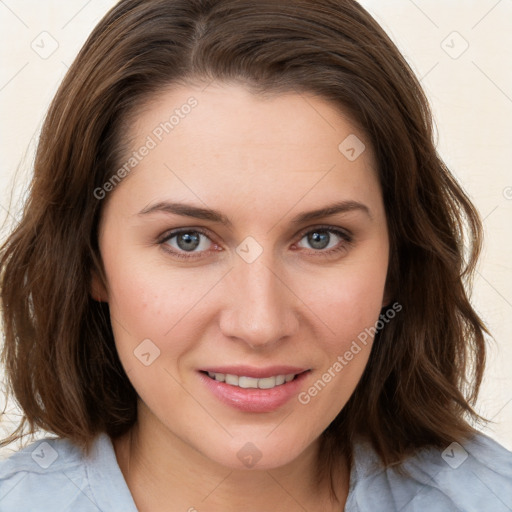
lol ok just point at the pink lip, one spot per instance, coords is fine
(257, 373)
(252, 399)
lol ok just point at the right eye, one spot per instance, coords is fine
(184, 242)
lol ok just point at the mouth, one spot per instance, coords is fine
(256, 390)
(246, 382)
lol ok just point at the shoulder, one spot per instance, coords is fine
(474, 475)
(53, 474)
(43, 475)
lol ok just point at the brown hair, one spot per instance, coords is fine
(425, 367)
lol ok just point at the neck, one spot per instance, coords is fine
(166, 474)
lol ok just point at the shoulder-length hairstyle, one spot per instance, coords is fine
(425, 369)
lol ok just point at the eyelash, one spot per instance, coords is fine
(347, 241)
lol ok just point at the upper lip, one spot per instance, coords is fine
(257, 373)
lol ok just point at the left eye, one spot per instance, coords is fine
(322, 239)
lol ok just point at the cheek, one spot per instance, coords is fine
(135, 301)
(350, 309)
(349, 304)
(350, 300)
(157, 303)
(137, 309)
(144, 296)
(149, 333)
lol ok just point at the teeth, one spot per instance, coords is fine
(267, 383)
(230, 379)
(251, 382)
(248, 382)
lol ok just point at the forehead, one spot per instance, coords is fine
(221, 114)
(224, 143)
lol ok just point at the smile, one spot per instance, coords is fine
(251, 382)
(254, 390)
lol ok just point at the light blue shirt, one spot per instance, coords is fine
(51, 475)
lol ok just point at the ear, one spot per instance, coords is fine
(97, 290)
(386, 301)
(388, 294)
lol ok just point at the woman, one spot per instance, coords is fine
(239, 279)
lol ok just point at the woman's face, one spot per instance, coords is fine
(216, 262)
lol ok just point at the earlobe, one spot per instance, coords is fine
(97, 289)
(388, 296)
(390, 288)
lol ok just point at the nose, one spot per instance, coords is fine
(261, 309)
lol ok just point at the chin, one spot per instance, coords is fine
(258, 452)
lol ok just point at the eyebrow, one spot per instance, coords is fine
(188, 210)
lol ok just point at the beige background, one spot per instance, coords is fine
(459, 48)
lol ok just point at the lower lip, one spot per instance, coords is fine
(253, 399)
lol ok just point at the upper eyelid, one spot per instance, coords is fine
(174, 232)
(324, 228)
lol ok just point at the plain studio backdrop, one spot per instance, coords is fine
(460, 49)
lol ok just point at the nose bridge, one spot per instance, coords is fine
(261, 308)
